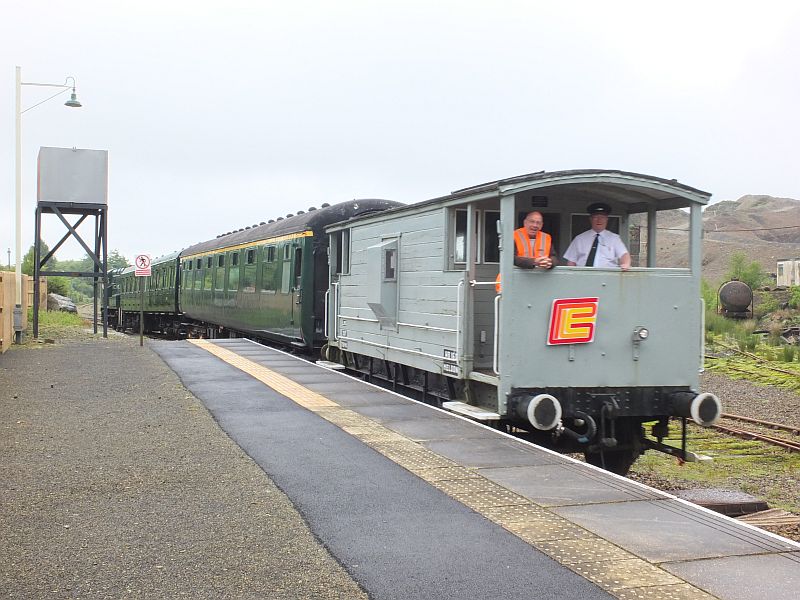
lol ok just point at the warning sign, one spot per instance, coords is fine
(142, 264)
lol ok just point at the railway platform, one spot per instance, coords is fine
(416, 502)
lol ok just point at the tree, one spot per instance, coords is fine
(27, 260)
(750, 273)
(117, 261)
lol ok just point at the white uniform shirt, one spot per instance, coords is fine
(609, 249)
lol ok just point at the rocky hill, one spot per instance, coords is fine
(765, 228)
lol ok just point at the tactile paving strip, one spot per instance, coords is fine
(619, 572)
(681, 591)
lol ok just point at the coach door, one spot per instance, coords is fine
(297, 289)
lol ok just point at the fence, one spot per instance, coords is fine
(8, 294)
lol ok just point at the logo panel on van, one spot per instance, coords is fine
(572, 321)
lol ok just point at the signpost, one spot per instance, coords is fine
(142, 264)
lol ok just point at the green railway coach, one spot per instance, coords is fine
(267, 281)
(160, 296)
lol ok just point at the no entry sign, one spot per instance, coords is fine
(142, 265)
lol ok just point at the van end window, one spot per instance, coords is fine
(460, 238)
(390, 264)
(340, 242)
(491, 240)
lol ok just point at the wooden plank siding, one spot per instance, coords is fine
(8, 299)
(428, 295)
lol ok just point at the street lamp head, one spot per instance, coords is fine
(73, 101)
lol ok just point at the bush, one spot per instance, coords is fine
(788, 354)
(58, 285)
(750, 273)
(764, 304)
(794, 296)
(708, 292)
(747, 342)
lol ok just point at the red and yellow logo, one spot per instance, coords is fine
(572, 321)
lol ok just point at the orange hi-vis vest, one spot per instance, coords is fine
(530, 248)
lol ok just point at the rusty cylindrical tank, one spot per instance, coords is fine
(735, 296)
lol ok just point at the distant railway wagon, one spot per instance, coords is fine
(160, 293)
(581, 357)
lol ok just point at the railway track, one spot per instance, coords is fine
(749, 434)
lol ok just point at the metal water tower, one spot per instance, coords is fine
(73, 182)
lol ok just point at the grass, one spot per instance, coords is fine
(774, 366)
(756, 468)
(57, 326)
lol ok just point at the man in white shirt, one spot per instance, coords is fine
(598, 247)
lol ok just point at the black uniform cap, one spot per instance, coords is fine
(598, 208)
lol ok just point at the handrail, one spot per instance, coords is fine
(335, 288)
(702, 335)
(458, 321)
(495, 357)
(474, 282)
(325, 315)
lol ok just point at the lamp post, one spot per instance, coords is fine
(73, 103)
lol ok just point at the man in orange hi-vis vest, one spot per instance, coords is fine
(532, 246)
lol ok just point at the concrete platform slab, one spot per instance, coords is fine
(567, 484)
(490, 452)
(439, 429)
(669, 530)
(366, 396)
(408, 410)
(732, 577)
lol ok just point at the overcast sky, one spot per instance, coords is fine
(218, 115)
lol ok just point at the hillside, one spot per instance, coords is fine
(765, 228)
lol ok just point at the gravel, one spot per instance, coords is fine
(755, 401)
(116, 482)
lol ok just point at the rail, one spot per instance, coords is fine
(752, 435)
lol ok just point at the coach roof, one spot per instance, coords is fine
(312, 220)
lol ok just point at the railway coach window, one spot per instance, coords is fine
(233, 272)
(268, 277)
(219, 274)
(269, 254)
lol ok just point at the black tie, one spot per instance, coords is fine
(593, 251)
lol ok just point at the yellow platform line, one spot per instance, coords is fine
(618, 571)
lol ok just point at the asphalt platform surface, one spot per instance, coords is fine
(117, 483)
